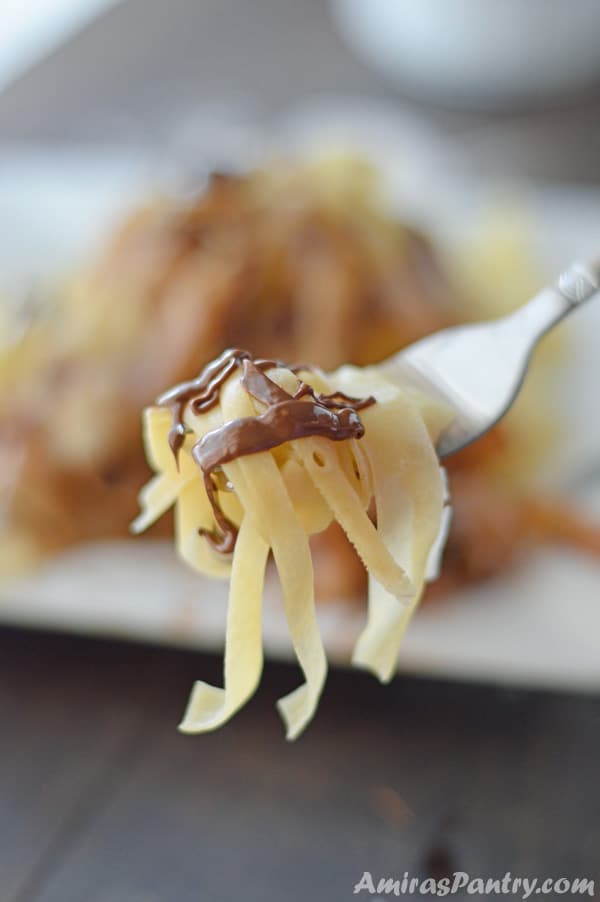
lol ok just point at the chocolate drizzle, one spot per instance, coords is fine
(203, 391)
(286, 417)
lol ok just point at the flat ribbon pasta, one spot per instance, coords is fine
(276, 493)
(409, 507)
(209, 706)
(263, 494)
(410, 498)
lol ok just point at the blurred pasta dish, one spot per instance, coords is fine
(300, 263)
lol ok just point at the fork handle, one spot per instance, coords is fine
(578, 283)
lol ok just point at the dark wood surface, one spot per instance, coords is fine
(101, 800)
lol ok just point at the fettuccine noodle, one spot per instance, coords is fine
(252, 470)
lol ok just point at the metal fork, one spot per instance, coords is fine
(478, 369)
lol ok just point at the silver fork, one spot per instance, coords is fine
(478, 369)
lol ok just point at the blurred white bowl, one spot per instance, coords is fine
(477, 52)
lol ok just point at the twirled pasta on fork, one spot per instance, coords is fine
(257, 456)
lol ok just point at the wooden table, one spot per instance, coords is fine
(101, 800)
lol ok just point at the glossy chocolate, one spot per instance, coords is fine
(286, 418)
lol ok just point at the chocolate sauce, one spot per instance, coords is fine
(203, 391)
(287, 417)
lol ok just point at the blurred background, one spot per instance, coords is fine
(515, 83)
(389, 167)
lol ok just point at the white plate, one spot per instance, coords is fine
(537, 626)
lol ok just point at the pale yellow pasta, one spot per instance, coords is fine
(210, 706)
(264, 495)
(276, 499)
